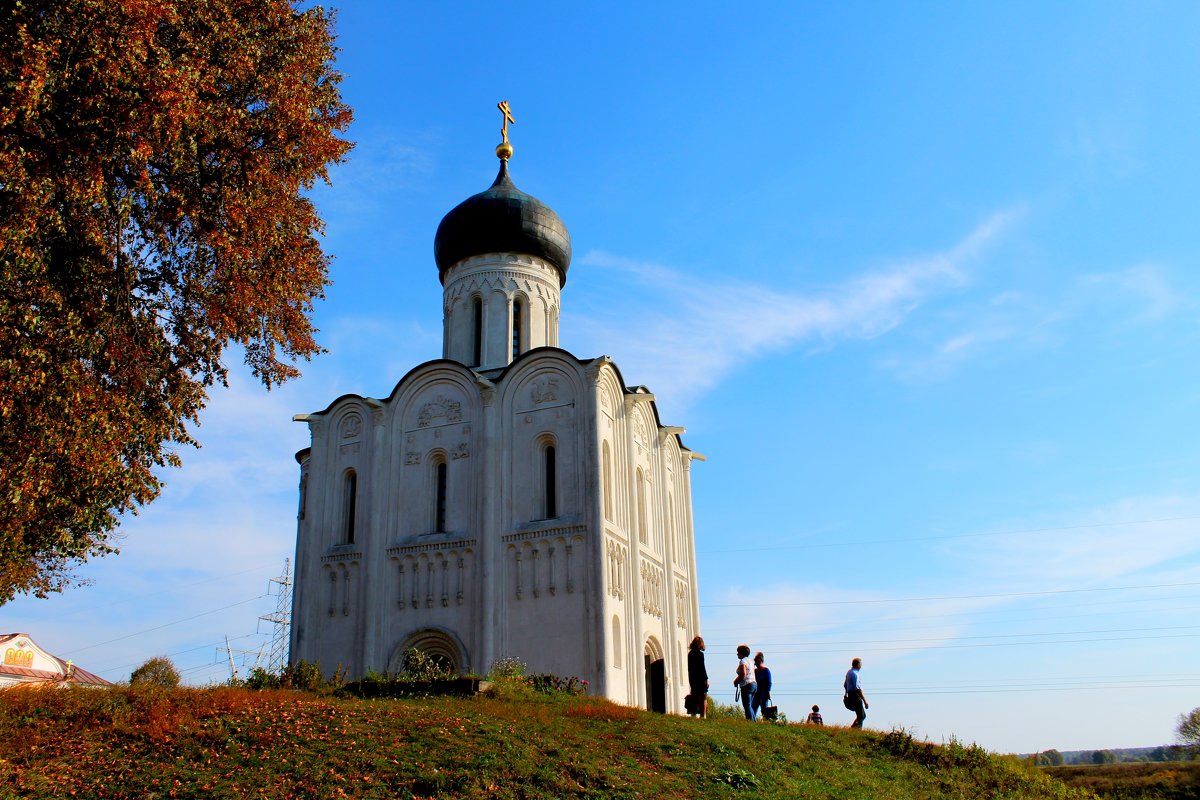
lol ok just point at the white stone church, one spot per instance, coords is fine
(507, 499)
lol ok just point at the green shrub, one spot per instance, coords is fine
(554, 684)
(259, 678)
(157, 671)
(420, 666)
(507, 667)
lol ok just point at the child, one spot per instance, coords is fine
(815, 717)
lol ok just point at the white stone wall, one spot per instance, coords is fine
(498, 281)
(575, 593)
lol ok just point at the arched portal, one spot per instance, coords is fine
(440, 645)
(656, 677)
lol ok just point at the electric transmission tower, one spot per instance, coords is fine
(281, 620)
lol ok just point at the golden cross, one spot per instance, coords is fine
(507, 112)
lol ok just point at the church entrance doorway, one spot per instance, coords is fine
(439, 648)
(656, 678)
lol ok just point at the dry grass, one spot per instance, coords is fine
(233, 743)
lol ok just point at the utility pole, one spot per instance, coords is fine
(233, 676)
(281, 620)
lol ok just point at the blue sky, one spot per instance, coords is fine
(920, 281)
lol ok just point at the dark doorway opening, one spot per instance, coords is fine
(656, 684)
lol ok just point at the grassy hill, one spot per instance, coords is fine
(230, 743)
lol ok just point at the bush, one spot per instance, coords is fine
(420, 666)
(259, 678)
(158, 671)
(554, 684)
(507, 667)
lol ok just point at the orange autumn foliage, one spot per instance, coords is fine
(154, 161)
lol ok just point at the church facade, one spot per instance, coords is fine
(508, 499)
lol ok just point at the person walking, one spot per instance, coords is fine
(855, 700)
(762, 685)
(744, 681)
(697, 679)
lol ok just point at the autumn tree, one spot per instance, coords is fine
(1187, 731)
(155, 158)
(158, 671)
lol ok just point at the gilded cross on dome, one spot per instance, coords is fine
(504, 149)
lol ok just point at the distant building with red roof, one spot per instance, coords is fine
(25, 665)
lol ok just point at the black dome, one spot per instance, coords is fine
(502, 219)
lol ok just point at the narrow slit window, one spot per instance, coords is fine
(478, 332)
(551, 483)
(351, 497)
(641, 507)
(517, 322)
(439, 511)
(607, 468)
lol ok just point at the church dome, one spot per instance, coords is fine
(502, 219)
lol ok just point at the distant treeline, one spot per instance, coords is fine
(1117, 755)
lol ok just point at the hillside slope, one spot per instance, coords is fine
(221, 742)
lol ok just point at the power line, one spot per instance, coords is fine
(948, 536)
(979, 617)
(948, 597)
(958, 638)
(824, 692)
(164, 625)
(176, 653)
(91, 607)
(842, 648)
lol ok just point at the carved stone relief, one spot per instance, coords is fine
(351, 426)
(544, 390)
(440, 408)
(641, 436)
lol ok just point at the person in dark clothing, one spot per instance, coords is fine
(762, 684)
(697, 679)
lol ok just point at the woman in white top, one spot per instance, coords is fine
(744, 680)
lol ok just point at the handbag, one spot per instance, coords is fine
(848, 703)
(770, 712)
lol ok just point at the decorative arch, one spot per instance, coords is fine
(440, 644)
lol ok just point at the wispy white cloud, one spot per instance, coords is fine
(1124, 539)
(700, 330)
(1146, 288)
(380, 165)
(1083, 308)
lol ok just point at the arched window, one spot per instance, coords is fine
(641, 507)
(477, 343)
(551, 481)
(616, 633)
(606, 467)
(303, 494)
(350, 498)
(517, 322)
(439, 500)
